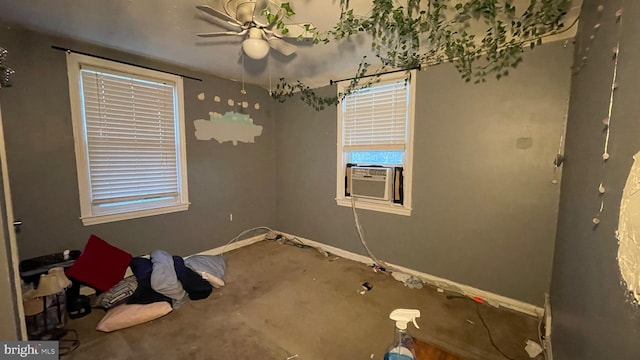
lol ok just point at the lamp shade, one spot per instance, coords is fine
(63, 280)
(255, 48)
(48, 285)
(33, 306)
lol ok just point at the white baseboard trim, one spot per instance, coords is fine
(233, 246)
(445, 284)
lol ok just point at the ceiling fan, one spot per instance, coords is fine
(248, 18)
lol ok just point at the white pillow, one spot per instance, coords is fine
(215, 281)
(126, 315)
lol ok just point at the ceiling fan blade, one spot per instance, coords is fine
(260, 6)
(258, 17)
(282, 46)
(218, 14)
(221, 33)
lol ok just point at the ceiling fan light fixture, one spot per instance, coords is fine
(255, 48)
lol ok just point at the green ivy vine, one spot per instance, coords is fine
(430, 32)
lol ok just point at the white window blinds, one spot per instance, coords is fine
(131, 138)
(375, 118)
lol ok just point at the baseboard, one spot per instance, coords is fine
(233, 246)
(445, 284)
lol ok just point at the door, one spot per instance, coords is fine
(12, 325)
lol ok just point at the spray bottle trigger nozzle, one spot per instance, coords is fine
(415, 323)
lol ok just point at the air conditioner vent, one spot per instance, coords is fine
(371, 182)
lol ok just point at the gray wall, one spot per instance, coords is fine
(223, 178)
(593, 317)
(484, 210)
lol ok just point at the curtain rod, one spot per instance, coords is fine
(419, 67)
(122, 62)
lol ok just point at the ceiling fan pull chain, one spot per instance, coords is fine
(269, 67)
(242, 91)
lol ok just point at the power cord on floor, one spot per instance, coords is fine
(293, 241)
(67, 346)
(364, 243)
(484, 323)
(237, 237)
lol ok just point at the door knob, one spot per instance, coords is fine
(17, 224)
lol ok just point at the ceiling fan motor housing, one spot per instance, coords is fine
(244, 12)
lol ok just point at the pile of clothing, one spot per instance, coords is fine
(159, 284)
(163, 277)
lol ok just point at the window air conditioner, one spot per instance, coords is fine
(371, 182)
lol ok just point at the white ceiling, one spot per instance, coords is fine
(166, 30)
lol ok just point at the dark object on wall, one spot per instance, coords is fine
(5, 72)
(559, 159)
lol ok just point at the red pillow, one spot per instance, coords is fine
(100, 264)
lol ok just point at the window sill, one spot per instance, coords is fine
(376, 206)
(101, 219)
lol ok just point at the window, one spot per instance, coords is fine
(128, 126)
(375, 129)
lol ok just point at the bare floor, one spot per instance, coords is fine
(282, 301)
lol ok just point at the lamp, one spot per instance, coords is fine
(255, 46)
(32, 306)
(48, 286)
(63, 280)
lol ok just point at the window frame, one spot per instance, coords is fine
(75, 62)
(342, 157)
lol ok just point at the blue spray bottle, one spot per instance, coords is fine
(402, 347)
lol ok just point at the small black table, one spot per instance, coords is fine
(31, 269)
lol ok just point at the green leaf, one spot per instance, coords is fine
(404, 36)
(287, 8)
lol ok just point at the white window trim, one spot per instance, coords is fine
(368, 204)
(74, 63)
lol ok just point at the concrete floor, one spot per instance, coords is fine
(282, 300)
